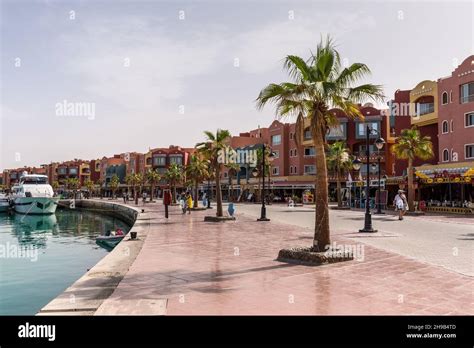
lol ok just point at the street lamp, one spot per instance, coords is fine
(368, 217)
(263, 213)
(379, 143)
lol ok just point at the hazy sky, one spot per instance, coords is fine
(162, 72)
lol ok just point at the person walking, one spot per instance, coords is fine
(182, 202)
(400, 203)
(124, 195)
(189, 202)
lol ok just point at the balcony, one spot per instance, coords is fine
(425, 108)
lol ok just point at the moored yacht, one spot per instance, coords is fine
(34, 195)
(4, 203)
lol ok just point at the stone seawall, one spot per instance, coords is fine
(116, 210)
(85, 295)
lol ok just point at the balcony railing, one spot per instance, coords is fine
(466, 99)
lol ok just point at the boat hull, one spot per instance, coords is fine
(35, 205)
(4, 207)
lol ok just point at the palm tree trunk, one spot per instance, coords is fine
(151, 193)
(196, 200)
(338, 188)
(321, 228)
(135, 192)
(219, 212)
(411, 189)
(174, 194)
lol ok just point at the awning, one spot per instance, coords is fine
(462, 172)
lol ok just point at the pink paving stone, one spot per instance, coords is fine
(203, 268)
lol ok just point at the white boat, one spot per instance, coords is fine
(4, 203)
(34, 195)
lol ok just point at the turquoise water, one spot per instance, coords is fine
(40, 256)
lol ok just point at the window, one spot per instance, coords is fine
(310, 169)
(467, 93)
(73, 171)
(361, 128)
(445, 155)
(469, 122)
(275, 171)
(291, 136)
(451, 96)
(291, 170)
(444, 127)
(363, 149)
(276, 139)
(295, 152)
(159, 160)
(176, 159)
(309, 151)
(276, 154)
(337, 132)
(451, 126)
(295, 171)
(444, 98)
(307, 134)
(469, 151)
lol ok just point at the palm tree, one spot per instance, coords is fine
(153, 178)
(319, 84)
(90, 185)
(196, 171)
(339, 160)
(213, 146)
(136, 181)
(174, 175)
(114, 184)
(72, 184)
(408, 146)
(55, 185)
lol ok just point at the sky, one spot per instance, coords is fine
(159, 73)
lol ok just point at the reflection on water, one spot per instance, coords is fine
(65, 248)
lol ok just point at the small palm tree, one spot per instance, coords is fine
(408, 146)
(319, 84)
(137, 180)
(152, 178)
(213, 147)
(174, 176)
(339, 160)
(196, 172)
(55, 185)
(114, 184)
(90, 185)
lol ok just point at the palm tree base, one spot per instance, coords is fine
(306, 256)
(218, 218)
(263, 219)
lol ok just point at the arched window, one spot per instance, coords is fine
(296, 154)
(452, 126)
(444, 98)
(451, 96)
(291, 170)
(445, 155)
(445, 127)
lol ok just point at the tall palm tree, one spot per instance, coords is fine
(174, 175)
(152, 178)
(114, 184)
(319, 84)
(196, 172)
(213, 146)
(339, 160)
(136, 181)
(408, 146)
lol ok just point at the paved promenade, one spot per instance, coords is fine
(188, 266)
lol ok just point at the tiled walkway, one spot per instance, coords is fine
(197, 267)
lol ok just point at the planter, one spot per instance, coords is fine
(133, 235)
(198, 208)
(308, 257)
(340, 208)
(218, 218)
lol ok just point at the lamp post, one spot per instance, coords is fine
(379, 144)
(368, 216)
(263, 212)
